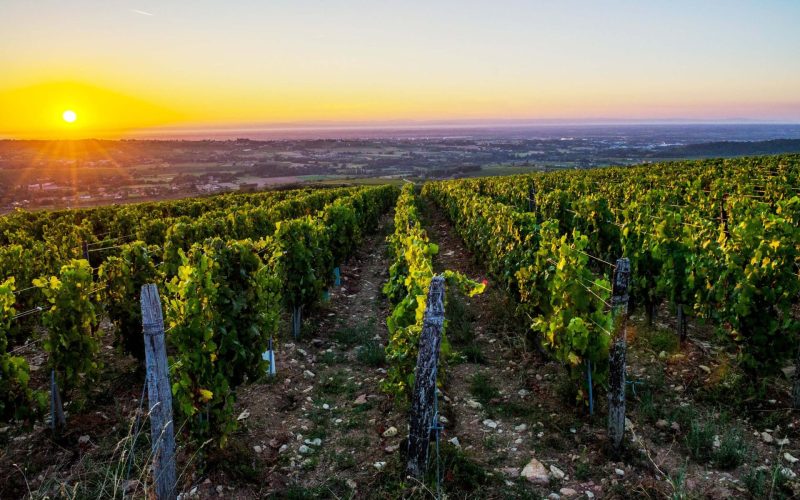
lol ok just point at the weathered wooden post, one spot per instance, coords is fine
(531, 198)
(57, 419)
(796, 385)
(159, 394)
(616, 356)
(681, 325)
(85, 250)
(723, 215)
(423, 398)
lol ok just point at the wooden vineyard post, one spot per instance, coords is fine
(297, 321)
(531, 198)
(681, 324)
(57, 419)
(796, 384)
(616, 356)
(723, 215)
(85, 250)
(423, 398)
(159, 394)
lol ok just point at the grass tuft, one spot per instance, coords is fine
(371, 354)
(481, 388)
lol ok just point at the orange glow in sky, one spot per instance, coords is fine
(124, 68)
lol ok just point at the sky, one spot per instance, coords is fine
(130, 65)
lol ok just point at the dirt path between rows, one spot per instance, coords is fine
(318, 428)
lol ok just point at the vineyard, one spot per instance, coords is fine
(617, 332)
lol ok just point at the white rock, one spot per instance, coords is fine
(556, 472)
(567, 492)
(243, 415)
(83, 440)
(314, 442)
(521, 428)
(782, 442)
(474, 404)
(326, 406)
(535, 472)
(717, 442)
(553, 496)
(304, 449)
(788, 473)
(390, 432)
(308, 374)
(455, 442)
(619, 472)
(705, 368)
(522, 393)
(789, 458)
(283, 448)
(258, 449)
(362, 399)
(379, 465)
(766, 437)
(490, 423)
(662, 424)
(589, 494)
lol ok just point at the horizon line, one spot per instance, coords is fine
(173, 132)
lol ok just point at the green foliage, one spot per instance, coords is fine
(298, 253)
(223, 307)
(718, 236)
(71, 322)
(17, 400)
(124, 276)
(574, 324)
(410, 275)
(546, 271)
(754, 283)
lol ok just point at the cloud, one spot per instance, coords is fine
(137, 11)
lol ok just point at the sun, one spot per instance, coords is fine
(69, 116)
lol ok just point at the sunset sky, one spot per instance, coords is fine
(125, 66)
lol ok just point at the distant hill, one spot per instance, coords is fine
(729, 148)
